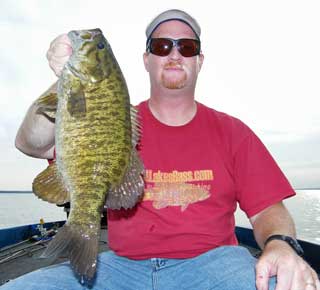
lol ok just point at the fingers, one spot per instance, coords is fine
(308, 278)
(57, 64)
(59, 52)
(61, 46)
(291, 275)
(284, 278)
(262, 275)
(304, 277)
(315, 280)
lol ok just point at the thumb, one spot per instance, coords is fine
(59, 53)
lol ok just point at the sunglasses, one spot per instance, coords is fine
(162, 46)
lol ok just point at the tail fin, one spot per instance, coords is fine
(80, 246)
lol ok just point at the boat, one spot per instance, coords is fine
(21, 247)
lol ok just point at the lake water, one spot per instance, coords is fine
(305, 209)
(25, 208)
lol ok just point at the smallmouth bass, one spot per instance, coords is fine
(96, 133)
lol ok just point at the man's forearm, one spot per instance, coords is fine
(35, 136)
(278, 257)
(274, 220)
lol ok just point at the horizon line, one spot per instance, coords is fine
(30, 191)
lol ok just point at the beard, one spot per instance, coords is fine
(173, 80)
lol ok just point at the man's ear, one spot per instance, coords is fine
(146, 60)
(200, 61)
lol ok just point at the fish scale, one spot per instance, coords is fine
(116, 138)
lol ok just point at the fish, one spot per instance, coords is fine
(96, 134)
(164, 194)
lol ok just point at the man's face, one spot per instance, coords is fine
(173, 71)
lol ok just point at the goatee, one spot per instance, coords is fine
(174, 81)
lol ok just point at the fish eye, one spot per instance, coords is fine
(100, 45)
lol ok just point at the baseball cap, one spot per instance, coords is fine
(173, 14)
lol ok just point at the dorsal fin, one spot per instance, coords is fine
(135, 125)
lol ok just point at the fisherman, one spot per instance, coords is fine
(198, 164)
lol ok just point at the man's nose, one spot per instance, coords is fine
(175, 54)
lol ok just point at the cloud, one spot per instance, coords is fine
(266, 74)
(14, 13)
(298, 156)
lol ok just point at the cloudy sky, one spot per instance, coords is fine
(262, 65)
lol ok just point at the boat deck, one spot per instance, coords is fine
(24, 257)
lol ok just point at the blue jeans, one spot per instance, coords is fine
(225, 268)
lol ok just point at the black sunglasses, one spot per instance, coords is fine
(162, 46)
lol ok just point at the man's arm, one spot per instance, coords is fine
(35, 136)
(278, 258)
(273, 220)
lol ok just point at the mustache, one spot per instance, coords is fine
(173, 64)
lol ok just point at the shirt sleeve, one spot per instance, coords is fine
(54, 156)
(259, 181)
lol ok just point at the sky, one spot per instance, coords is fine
(262, 65)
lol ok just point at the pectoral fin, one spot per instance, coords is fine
(48, 186)
(77, 101)
(47, 102)
(130, 191)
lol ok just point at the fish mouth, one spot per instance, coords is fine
(84, 34)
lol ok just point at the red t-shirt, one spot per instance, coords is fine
(195, 175)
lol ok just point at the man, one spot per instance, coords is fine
(199, 164)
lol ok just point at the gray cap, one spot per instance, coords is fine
(173, 14)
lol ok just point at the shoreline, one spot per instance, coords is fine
(16, 191)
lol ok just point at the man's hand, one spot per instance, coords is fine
(293, 273)
(59, 52)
